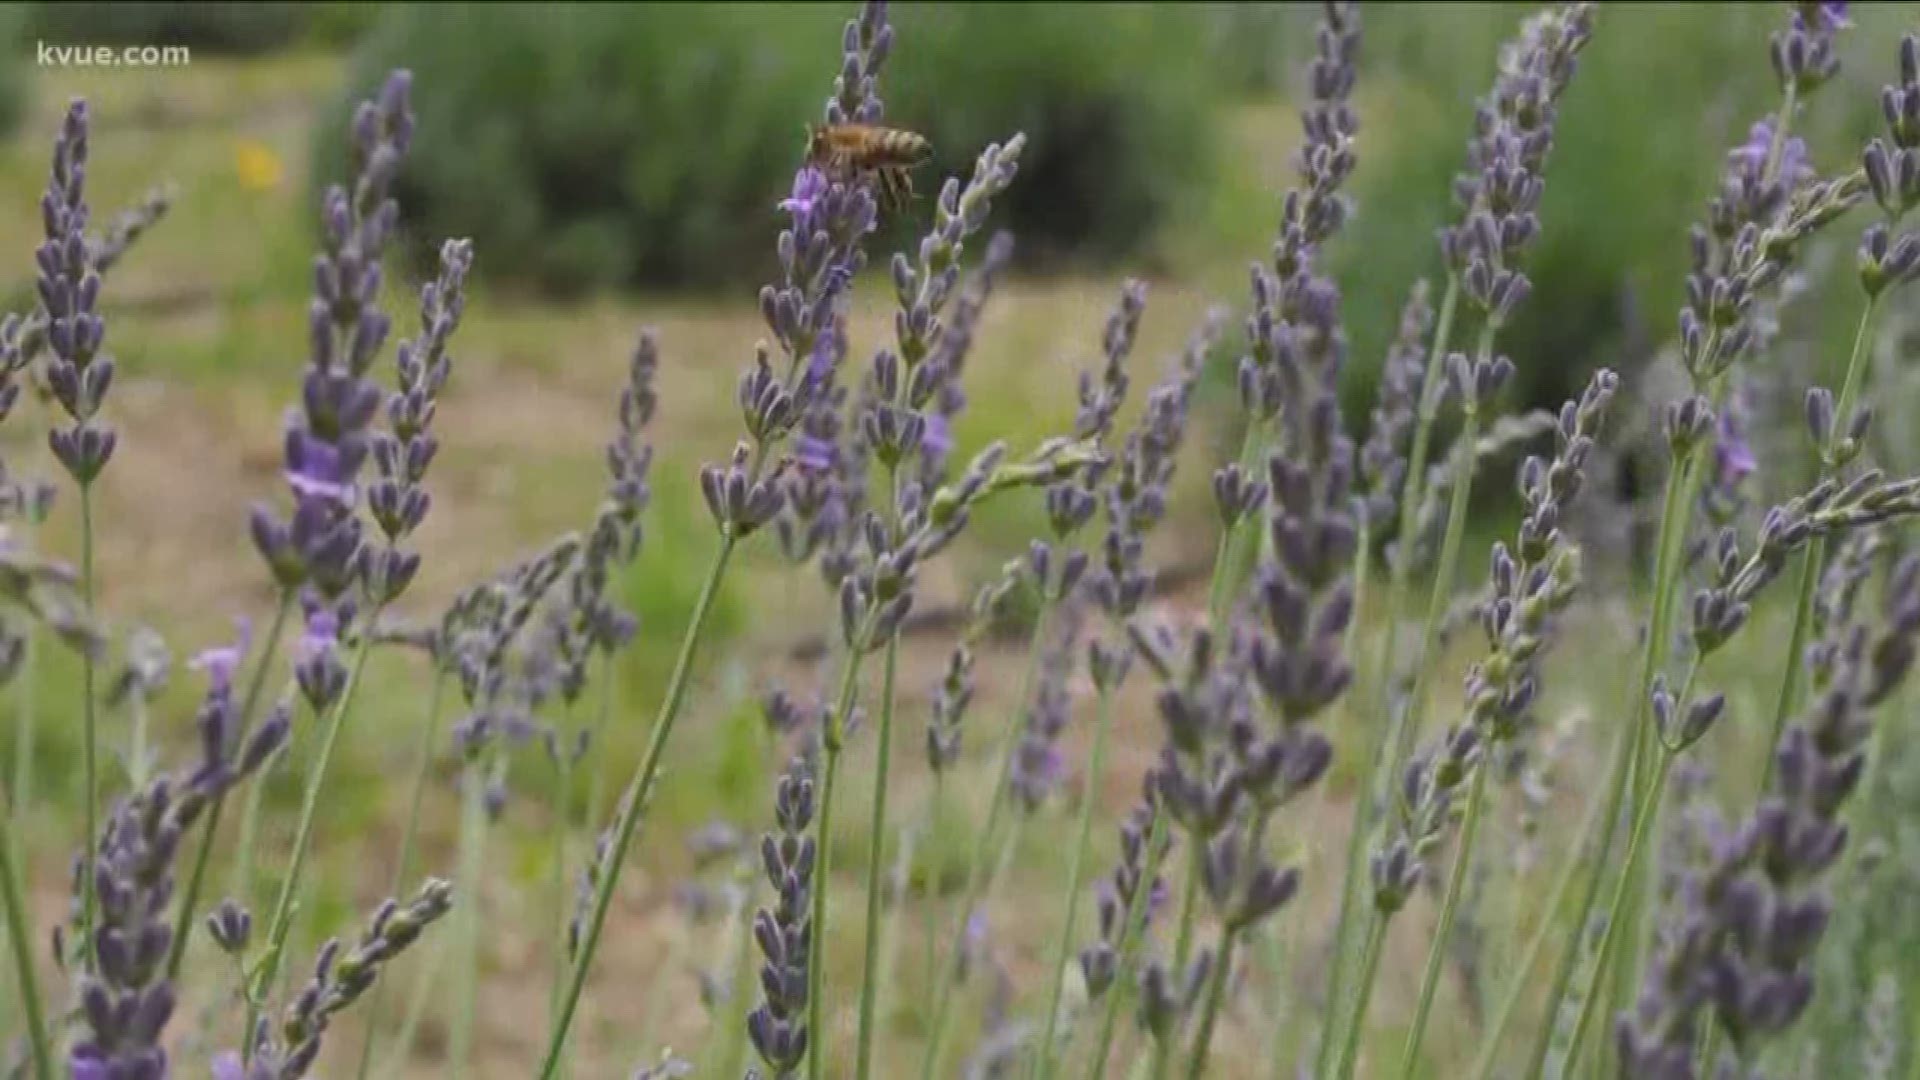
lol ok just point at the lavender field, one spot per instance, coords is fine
(1318, 540)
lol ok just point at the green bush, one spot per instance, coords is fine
(587, 146)
(233, 29)
(1662, 93)
(1116, 100)
(14, 92)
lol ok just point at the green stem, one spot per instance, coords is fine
(1810, 559)
(1362, 571)
(1643, 817)
(1782, 124)
(1707, 1051)
(137, 758)
(978, 860)
(17, 807)
(1406, 726)
(1132, 930)
(1217, 591)
(403, 867)
(1369, 965)
(1380, 780)
(1519, 981)
(1277, 945)
(823, 862)
(836, 733)
(473, 859)
(596, 753)
(1449, 908)
(283, 907)
(893, 917)
(1076, 863)
(89, 731)
(876, 845)
(1231, 553)
(190, 898)
(635, 804)
(25, 720)
(935, 814)
(1182, 948)
(20, 942)
(1210, 1010)
(557, 882)
(241, 879)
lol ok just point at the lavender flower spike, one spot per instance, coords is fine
(778, 1027)
(588, 622)
(127, 997)
(340, 977)
(328, 438)
(78, 373)
(1383, 458)
(397, 500)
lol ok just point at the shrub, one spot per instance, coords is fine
(587, 146)
(1631, 168)
(13, 85)
(1118, 119)
(235, 29)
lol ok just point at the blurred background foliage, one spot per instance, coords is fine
(596, 147)
(591, 148)
(599, 151)
(620, 165)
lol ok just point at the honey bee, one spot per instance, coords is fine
(882, 155)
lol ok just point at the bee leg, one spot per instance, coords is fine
(902, 188)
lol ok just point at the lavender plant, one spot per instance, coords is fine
(1886, 261)
(1753, 916)
(1718, 614)
(1531, 584)
(1029, 763)
(1126, 900)
(126, 995)
(1498, 195)
(398, 502)
(1294, 309)
(504, 675)
(860, 476)
(1134, 501)
(341, 976)
(320, 552)
(79, 374)
(896, 423)
(819, 255)
(69, 265)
